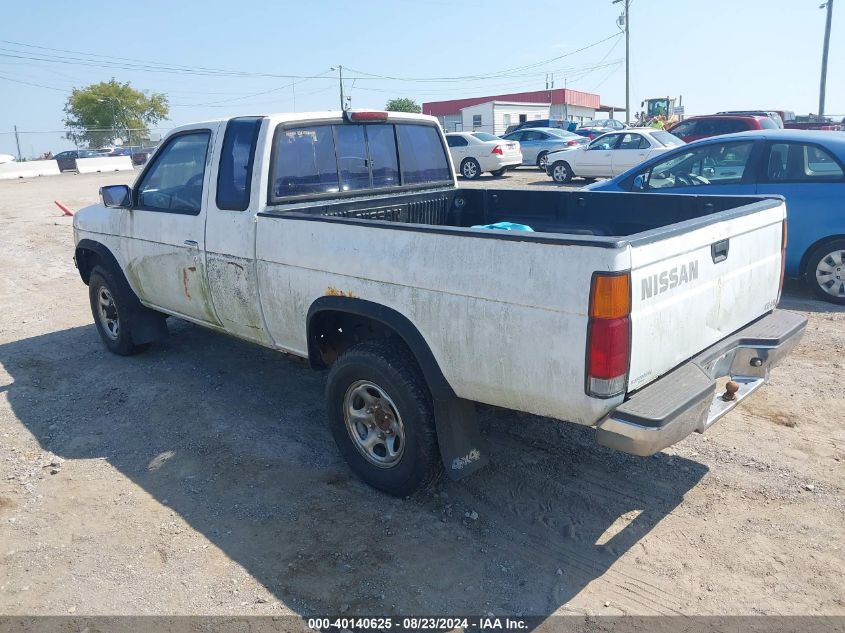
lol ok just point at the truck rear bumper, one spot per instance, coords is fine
(686, 399)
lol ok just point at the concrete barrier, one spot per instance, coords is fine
(103, 163)
(29, 169)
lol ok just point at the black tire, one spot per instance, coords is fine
(499, 172)
(829, 256)
(561, 172)
(470, 169)
(105, 286)
(390, 366)
(541, 160)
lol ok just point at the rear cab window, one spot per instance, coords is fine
(234, 175)
(344, 159)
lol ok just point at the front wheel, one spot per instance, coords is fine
(110, 305)
(381, 417)
(470, 169)
(561, 172)
(826, 272)
(542, 159)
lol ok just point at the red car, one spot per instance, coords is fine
(696, 127)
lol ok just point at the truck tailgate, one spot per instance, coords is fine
(694, 288)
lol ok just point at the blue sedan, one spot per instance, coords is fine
(807, 167)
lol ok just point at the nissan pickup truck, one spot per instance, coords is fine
(341, 237)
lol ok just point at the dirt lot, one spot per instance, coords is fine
(200, 478)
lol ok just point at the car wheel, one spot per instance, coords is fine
(470, 169)
(499, 172)
(381, 417)
(826, 272)
(110, 305)
(561, 172)
(541, 160)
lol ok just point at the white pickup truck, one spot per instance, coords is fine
(342, 238)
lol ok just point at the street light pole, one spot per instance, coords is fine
(823, 84)
(626, 17)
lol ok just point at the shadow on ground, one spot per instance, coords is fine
(232, 437)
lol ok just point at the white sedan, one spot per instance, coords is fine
(476, 152)
(610, 154)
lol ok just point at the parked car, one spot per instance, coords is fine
(559, 124)
(597, 127)
(474, 153)
(772, 114)
(536, 143)
(342, 238)
(67, 159)
(141, 155)
(697, 127)
(610, 154)
(807, 167)
(7, 158)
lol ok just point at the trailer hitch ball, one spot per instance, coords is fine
(756, 361)
(730, 391)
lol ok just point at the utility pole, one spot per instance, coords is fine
(626, 19)
(18, 143)
(340, 79)
(829, 5)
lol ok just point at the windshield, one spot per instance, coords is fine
(666, 139)
(485, 136)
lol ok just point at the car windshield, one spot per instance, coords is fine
(485, 136)
(666, 139)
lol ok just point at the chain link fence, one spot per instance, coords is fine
(35, 145)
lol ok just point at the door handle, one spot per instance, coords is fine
(719, 251)
(191, 243)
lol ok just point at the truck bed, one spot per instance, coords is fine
(581, 216)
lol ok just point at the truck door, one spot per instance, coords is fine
(166, 227)
(230, 231)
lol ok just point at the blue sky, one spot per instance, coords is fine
(719, 55)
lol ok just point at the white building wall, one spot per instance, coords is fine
(505, 114)
(471, 114)
(579, 114)
(452, 122)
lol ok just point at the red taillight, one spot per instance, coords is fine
(608, 348)
(362, 116)
(497, 150)
(609, 335)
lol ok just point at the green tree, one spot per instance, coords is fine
(402, 104)
(101, 113)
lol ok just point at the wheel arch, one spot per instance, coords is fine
(805, 258)
(326, 312)
(89, 253)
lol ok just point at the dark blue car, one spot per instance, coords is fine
(807, 167)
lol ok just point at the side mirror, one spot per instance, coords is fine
(116, 196)
(639, 183)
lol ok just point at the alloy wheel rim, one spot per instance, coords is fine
(560, 173)
(469, 170)
(374, 424)
(107, 312)
(830, 273)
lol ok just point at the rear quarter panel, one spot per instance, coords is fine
(506, 320)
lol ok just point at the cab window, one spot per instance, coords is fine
(174, 181)
(606, 142)
(801, 162)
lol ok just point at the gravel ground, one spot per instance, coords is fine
(200, 478)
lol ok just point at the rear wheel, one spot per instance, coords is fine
(826, 272)
(381, 417)
(470, 169)
(541, 160)
(561, 172)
